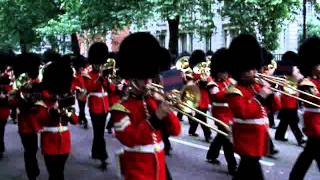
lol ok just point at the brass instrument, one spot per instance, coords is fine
(185, 102)
(182, 64)
(287, 84)
(203, 69)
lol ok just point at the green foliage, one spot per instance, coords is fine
(19, 18)
(263, 18)
(195, 15)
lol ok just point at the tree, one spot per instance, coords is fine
(19, 18)
(264, 18)
(188, 15)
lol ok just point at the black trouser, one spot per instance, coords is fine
(311, 152)
(110, 123)
(2, 129)
(194, 125)
(224, 142)
(30, 144)
(249, 169)
(55, 165)
(271, 144)
(13, 114)
(82, 113)
(166, 142)
(271, 119)
(99, 144)
(180, 116)
(288, 117)
(168, 174)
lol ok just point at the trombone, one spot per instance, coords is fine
(185, 102)
(285, 83)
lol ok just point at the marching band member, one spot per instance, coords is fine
(310, 67)
(5, 88)
(221, 110)
(246, 101)
(26, 95)
(139, 119)
(54, 112)
(288, 114)
(204, 82)
(79, 63)
(97, 87)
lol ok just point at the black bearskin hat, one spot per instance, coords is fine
(309, 55)
(6, 59)
(267, 57)
(166, 60)
(197, 57)
(28, 63)
(288, 61)
(57, 78)
(245, 54)
(98, 53)
(50, 56)
(219, 61)
(79, 62)
(139, 56)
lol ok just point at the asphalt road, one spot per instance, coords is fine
(186, 162)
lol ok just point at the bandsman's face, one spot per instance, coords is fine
(222, 76)
(296, 74)
(248, 77)
(316, 71)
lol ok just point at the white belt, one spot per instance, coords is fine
(220, 104)
(98, 94)
(55, 129)
(258, 121)
(315, 110)
(150, 148)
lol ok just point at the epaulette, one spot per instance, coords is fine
(234, 90)
(119, 107)
(41, 103)
(307, 82)
(86, 75)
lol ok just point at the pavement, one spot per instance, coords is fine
(186, 162)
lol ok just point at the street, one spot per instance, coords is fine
(186, 162)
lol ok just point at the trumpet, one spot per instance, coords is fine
(286, 84)
(185, 102)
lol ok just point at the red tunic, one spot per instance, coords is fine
(4, 103)
(220, 107)
(311, 114)
(55, 134)
(78, 83)
(98, 102)
(143, 156)
(250, 121)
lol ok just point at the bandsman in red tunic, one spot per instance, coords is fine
(139, 119)
(246, 101)
(78, 86)
(204, 82)
(221, 110)
(27, 93)
(97, 88)
(54, 112)
(5, 88)
(288, 114)
(310, 67)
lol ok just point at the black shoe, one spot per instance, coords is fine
(85, 126)
(194, 134)
(208, 139)
(1, 155)
(214, 161)
(109, 131)
(281, 139)
(103, 165)
(274, 152)
(273, 127)
(232, 171)
(301, 142)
